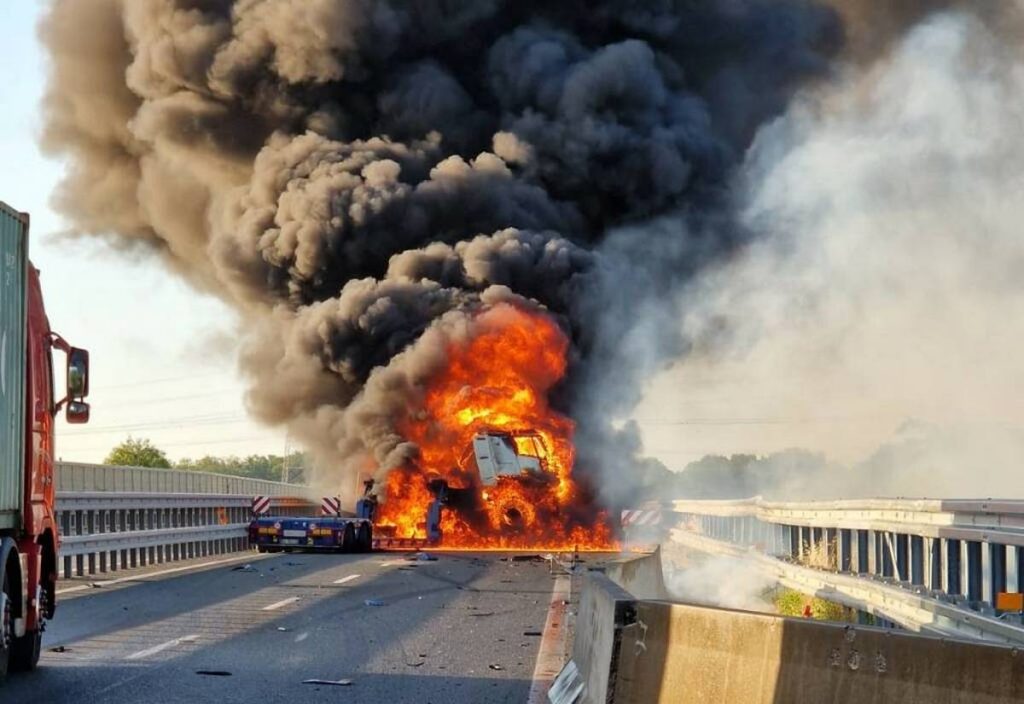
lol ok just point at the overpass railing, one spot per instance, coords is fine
(113, 518)
(929, 555)
(77, 476)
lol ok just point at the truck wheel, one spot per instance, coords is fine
(25, 651)
(348, 541)
(364, 538)
(6, 629)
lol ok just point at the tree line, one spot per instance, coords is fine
(140, 452)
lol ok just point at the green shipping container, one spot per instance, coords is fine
(14, 263)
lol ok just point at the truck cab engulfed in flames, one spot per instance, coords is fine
(517, 455)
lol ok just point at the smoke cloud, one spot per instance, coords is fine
(361, 179)
(879, 316)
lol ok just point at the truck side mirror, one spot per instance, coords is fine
(78, 376)
(77, 412)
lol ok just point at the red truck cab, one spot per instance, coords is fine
(29, 537)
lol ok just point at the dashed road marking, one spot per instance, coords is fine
(163, 646)
(278, 604)
(349, 578)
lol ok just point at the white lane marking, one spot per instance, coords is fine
(163, 646)
(347, 579)
(161, 573)
(278, 604)
(552, 644)
(392, 563)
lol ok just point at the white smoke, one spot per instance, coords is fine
(888, 284)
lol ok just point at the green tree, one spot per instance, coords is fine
(137, 453)
(270, 467)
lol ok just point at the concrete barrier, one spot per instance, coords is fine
(631, 650)
(605, 609)
(688, 654)
(640, 575)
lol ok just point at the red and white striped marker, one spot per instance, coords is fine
(641, 517)
(330, 506)
(260, 505)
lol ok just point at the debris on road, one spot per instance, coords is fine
(526, 558)
(282, 629)
(496, 667)
(336, 683)
(483, 613)
(424, 557)
(59, 649)
(532, 633)
(374, 602)
(244, 568)
(214, 673)
(415, 664)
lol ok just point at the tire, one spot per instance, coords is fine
(348, 541)
(261, 548)
(25, 651)
(364, 538)
(5, 652)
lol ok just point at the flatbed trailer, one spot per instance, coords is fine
(328, 533)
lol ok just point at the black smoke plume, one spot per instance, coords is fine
(359, 178)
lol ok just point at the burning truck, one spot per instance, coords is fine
(493, 467)
(500, 467)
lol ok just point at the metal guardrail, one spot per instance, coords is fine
(916, 610)
(77, 476)
(107, 531)
(956, 555)
(104, 531)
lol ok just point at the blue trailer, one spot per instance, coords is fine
(334, 533)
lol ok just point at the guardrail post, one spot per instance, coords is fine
(65, 529)
(885, 548)
(863, 554)
(89, 531)
(77, 522)
(122, 558)
(1017, 573)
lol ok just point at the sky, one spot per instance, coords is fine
(161, 362)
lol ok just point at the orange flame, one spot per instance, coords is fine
(498, 382)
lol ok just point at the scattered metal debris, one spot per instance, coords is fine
(425, 557)
(60, 649)
(336, 683)
(282, 629)
(374, 602)
(496, 667)
(214, 673)
(244, 568)
(532, 633)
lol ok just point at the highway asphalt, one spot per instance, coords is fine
(462, 628)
